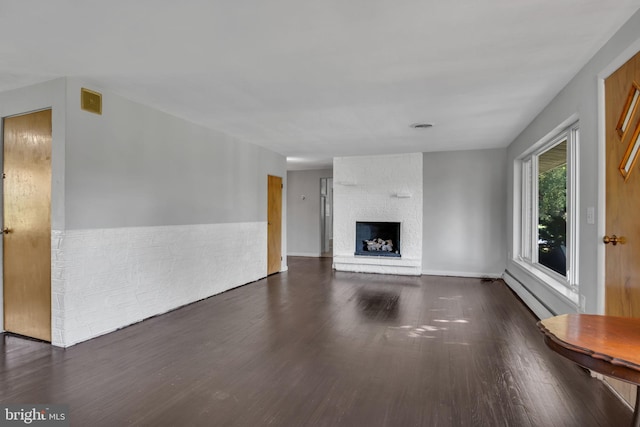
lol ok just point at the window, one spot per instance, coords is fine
(552, 208)
(548, 207)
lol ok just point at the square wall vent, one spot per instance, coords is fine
(91, 101)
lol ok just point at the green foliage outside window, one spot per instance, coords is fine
(552, 218)
(552, 206)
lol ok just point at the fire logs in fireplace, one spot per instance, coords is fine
(378, 239)
(379, 245)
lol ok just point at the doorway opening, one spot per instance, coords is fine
(326, 217)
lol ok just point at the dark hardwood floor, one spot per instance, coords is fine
(312, 347)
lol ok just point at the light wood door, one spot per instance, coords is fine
(274, 224)
(27, 225)
(622, 282)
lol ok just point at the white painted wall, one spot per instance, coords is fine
(580, 96)
(365, 189)
(303, 226)
(118, 276)
(150, 212)
(136, 166)
(464, 216)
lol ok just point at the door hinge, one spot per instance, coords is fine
(4, 175)
(281, 185)
(280, 258)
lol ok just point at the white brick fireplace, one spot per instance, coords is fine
(378, 189)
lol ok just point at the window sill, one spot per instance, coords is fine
(556, 285)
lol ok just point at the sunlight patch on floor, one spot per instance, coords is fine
(417, 331)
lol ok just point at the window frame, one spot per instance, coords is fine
(526, 248)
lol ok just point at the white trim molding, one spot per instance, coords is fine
(305, 254)
(471, 274)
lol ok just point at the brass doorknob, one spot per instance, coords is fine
(614, 240)
(6, 230)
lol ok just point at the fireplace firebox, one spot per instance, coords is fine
(378, 239)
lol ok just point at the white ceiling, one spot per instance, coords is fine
(317, 79)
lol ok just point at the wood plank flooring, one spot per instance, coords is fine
(313, 347)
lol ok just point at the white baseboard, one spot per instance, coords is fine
(305, 254)
(461, 274)
(527, 297)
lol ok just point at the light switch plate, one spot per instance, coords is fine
(591, 215)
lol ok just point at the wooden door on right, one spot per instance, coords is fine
(622, 271)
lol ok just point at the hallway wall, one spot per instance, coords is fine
(160, 212)
(149, 211)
